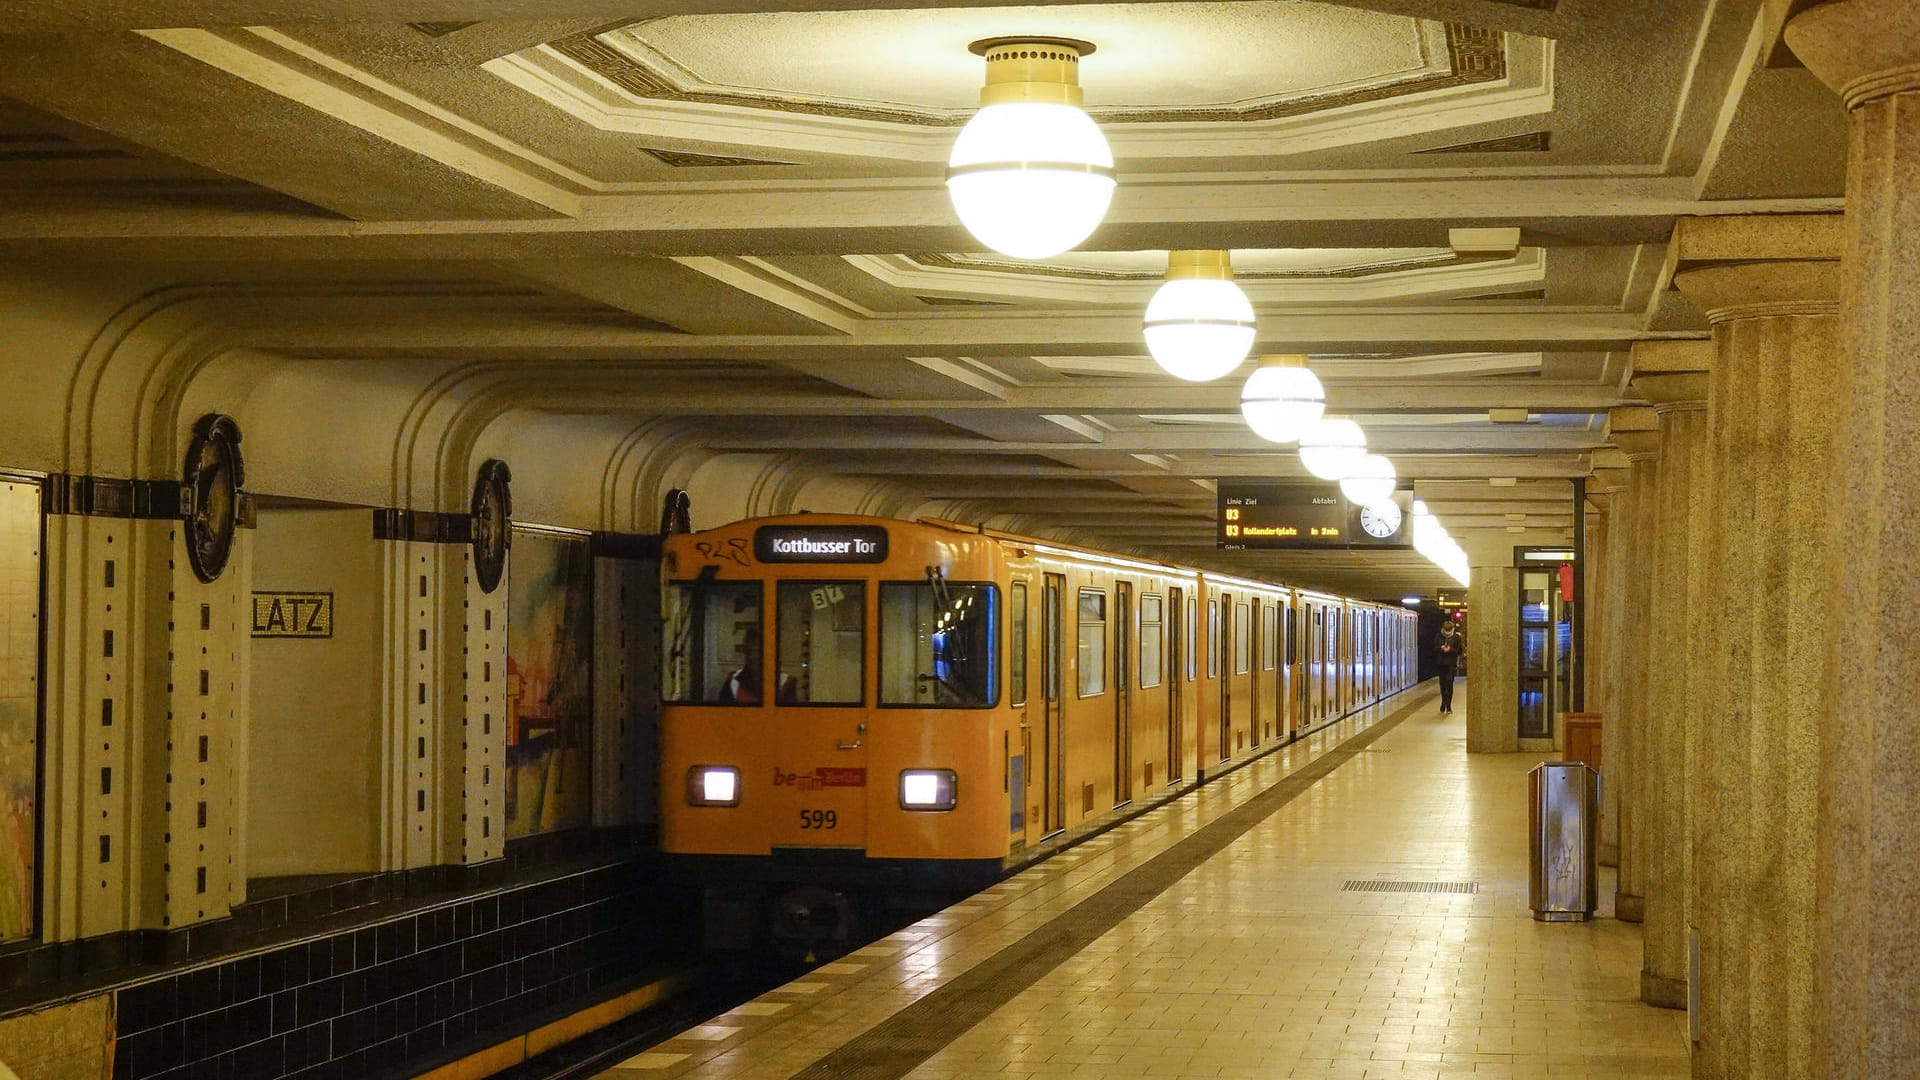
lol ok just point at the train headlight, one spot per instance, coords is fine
(927, 789)
(713, 785)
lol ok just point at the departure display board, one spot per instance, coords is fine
(1308, 516)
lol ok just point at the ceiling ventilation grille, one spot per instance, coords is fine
(1458, 888)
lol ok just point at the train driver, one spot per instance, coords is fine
(743, 683)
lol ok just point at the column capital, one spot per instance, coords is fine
(1638, 445)
(1745, 238)
(1635, 429)
(1863, 49)
(1670, 356)
(1673, 392)
(1605, 483)
(1761, 290)
(1631, 418)
(1606, 457)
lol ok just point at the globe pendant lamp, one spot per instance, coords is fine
(1030, 174)
(1282, 398)
(1199, 325)
(1330, 448)
(1370, 481)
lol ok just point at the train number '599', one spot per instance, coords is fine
(819, 819)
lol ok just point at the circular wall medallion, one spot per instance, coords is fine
(492, 523)
(214, 474)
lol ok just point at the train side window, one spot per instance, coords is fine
(713, 644)
(1213, 639)
(1242, 639)
(1193, 636)
(1153, 640)
(1269, 638)
(822, 642)
(937, 644)
(1092, 627)
(1017, 643)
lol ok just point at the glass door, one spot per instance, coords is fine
(1539, 654)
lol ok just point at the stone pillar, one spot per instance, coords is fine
(1635, 431)
(1774, 406)
(1601, 626)
(1867, 1015)
(1493, 651)
(1683, 518)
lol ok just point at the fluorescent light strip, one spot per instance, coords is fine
(1113, 560)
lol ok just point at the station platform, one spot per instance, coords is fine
(1353, 905)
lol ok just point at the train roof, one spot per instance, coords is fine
(941, 525)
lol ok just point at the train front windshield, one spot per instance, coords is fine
(937, 644)
(713, 643)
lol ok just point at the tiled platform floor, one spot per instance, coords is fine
(1255, 964)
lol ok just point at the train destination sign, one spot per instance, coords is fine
(820, 544)
(1307, 516)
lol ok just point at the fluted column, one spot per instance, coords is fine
(1867, 1013)
(1634, 431)
(1601, 626)
(1683, 493)
(1774, 404)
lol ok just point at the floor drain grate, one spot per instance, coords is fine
(1466, 888)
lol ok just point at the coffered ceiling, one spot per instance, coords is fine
(731, 213)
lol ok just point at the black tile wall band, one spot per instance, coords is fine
(902, 1042)
(420, 987)
(32, 974)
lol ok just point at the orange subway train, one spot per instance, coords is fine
(861, 713)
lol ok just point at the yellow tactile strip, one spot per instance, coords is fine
(512, 1052)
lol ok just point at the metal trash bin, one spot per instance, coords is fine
(1564, 826)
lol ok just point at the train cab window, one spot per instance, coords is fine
(1213, 639)
(822, 642)
(1242, 639)
(712, 643)
(937, 644)
(1269, 638)
(1153, 640)
(1193, 634)
(1017, 642)
(1092, 624)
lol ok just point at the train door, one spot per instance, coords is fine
(1175, 677)
(1270, 661)
(1336, 661)
(1322, 665)
(1255, 643)
(1219, 661)
(1122, 693)
(819, 796)
(1363, 658)
(1297, 686)
(1051, 770)
(1020, 780)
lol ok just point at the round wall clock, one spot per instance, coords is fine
(1380, 521)
(214, 475)
(492, 523)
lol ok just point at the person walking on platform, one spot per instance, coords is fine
(1448, 647)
